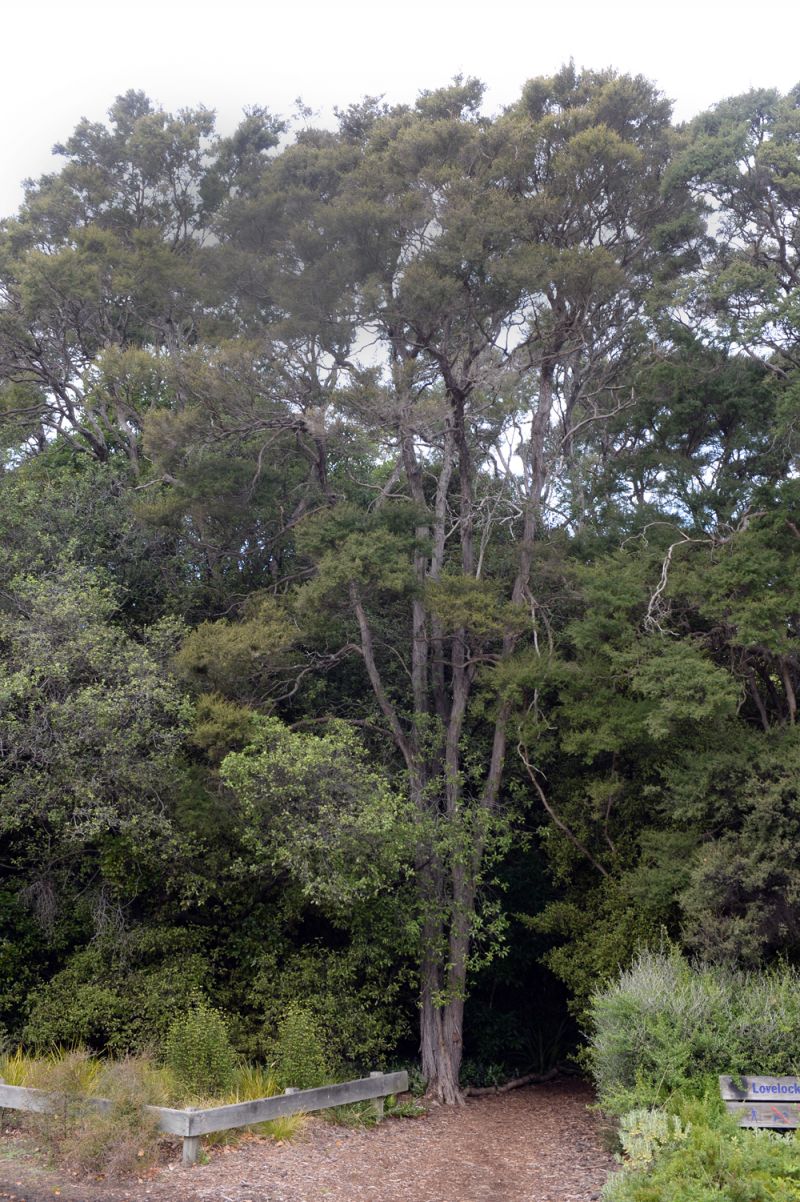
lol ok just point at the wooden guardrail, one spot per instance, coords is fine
(194, 1122)
(763, 1101)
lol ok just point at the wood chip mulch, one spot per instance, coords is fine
(538, 1144)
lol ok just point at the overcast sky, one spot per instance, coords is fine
(67, 60)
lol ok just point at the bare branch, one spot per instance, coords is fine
(368, 653)
(560, 823)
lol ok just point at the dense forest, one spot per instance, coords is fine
(399, 547)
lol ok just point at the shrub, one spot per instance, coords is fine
(644, 1134)
(357, 995)
(299, 1053)
(115, 1142)
(198, 1050)
(662, 1035)
(667, 1026)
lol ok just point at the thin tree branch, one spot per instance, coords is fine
(560, 823)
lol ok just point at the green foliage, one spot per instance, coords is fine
(92, 731)
(252, 1081)
(198, 1050)
(220, 726)
(661, 1036)
(316, 807)
(684, 687)
(644, 1134)
(740, 899)
(588, 953)
(234, 658)
(304, 642)
(117, 997)
(299, 1054)
(462, 601)
(356, 994)
(483, 1074)
(742, 153)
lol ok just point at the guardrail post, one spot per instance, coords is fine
(191, 1145)
(377, 1103)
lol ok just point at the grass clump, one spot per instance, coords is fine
(251, 1082)
(122, 1137)
(121, 1140)
(15, 1067)
(115, 1139)
(254, 1081)
(70, 1073)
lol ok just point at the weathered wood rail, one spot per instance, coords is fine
(763, 1101)
(192, 1123)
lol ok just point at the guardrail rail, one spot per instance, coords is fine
(192, 1123)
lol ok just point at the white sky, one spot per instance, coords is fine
(66, 60)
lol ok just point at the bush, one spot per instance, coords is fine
(299, 1053)
(357, 995)
(666, 1026)
(662, 1035)
(198, 1050)
(121, 1141)
(644, 1134)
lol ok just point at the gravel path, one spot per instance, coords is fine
(538, 1144)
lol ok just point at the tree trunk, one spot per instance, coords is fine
(440, 1040)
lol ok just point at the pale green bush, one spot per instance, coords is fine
(668, 1026)
(199, 1051)
(299, 1052)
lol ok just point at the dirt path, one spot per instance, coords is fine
(533, 1145)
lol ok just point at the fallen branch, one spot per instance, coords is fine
(473, 1091)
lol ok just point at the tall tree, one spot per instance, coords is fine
(491, 279)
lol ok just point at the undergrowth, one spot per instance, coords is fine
(700, 1154)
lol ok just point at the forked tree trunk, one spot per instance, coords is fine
(448, 886)
(441, 1050)
(440, 1026)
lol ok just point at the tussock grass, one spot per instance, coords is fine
(15, 1067)
(251, 1082)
